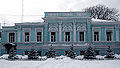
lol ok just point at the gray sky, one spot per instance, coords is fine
(10, 10)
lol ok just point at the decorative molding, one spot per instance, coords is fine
(109, 29)
(96, 28)
(39, 29)
(26, 29)
(81, 27)
(53, 27)
(67, 27)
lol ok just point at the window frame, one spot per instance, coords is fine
(98, 36)
(68, 36)
(79, 36)
(110, 36)
(14, 37)
(54, 37)
(25, 37)
(37, 36)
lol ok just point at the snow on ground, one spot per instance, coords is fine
(60, 63)
(5, 56)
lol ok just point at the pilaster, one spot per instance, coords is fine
(60, 31)
(74, 31)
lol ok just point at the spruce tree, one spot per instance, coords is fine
(71, 53)
(110, 53)
(50, 53)
(89, 53)
(12, 53)
(33, 54)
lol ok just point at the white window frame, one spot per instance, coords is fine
(14, 37)
(96, 38)
(38, 30)
(111, 36)
(25, 37)
(37, 37)
(65, 37)
(54, 37)
(96, 29)
(79, 36)
(109, 29)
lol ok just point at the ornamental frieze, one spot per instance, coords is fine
(39, 29)
(53, 27)
(67, 27)
(81, 27)
(96, 28)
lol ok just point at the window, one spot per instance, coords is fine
(109, 36)
(53, 37)
(39, 36)
(96, 36)
(67, 36)
(81, 36)
(11, 37)
(27, 37)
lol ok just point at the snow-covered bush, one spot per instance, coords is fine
(110, 53)
(50, 53)
(89, 53)
(71, 53)
(100, 57)
(33, 54)
(12, 53)
(117, 55)
(25, 57)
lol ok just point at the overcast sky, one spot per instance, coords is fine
(10, 10)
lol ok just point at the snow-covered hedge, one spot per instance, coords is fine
(5, 56)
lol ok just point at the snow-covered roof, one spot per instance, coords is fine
(99, 20)
(104, 22)
(30, 23)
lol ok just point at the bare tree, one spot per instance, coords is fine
(103, 12)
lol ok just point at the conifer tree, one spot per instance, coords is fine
(89, 53)
(33, 54)
(12, 53)
(71, 53)
(50, 53)
(110, 53)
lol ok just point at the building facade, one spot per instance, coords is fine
(63, 29)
